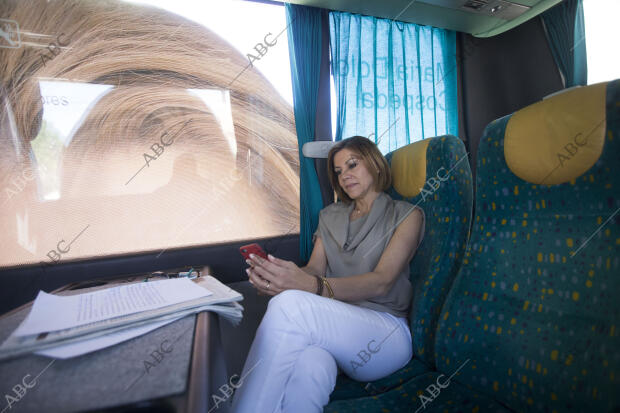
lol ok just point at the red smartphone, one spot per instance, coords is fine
(254, 248)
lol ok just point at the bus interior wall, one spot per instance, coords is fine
(21, 284)
(500, 75)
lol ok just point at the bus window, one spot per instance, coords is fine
(601, 27)
(135, 127)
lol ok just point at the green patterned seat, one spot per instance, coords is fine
(433, 173)
(417, 396)
(535, 307)
(347, 388)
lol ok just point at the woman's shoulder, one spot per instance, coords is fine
(403, 208)
(397, 203)
(334, 210)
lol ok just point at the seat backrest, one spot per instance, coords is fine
(532, 317)
(434, 174)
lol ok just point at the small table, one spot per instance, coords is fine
(176, 368)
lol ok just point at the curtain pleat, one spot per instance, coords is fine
(304, 40)
(565, 29)
(395, 82)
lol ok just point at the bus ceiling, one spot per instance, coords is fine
(480, 18)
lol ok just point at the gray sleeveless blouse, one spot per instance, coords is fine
(355, 247)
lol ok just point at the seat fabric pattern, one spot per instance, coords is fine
(418, 395)
(446, 199)
(534, 308)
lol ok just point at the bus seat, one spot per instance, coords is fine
(530, 322)
(430, 392)
(433, 173)
(534, 307)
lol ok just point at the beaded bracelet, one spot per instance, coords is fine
(319, 285)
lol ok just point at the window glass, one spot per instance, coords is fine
(602, 34)
(130, 127)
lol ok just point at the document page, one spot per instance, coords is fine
(52, 312)
(87, 346)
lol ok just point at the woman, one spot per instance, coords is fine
(364, 245)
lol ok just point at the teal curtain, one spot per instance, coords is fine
(304, 42)
(395, 82)
(565, 29)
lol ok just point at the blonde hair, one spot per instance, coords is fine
(151, 57)
(375, 162)
(135, 47)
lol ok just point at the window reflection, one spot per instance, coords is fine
(132, 131)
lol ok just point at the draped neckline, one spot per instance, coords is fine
(340, 225)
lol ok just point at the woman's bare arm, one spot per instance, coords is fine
(317, 265)
(310, 270)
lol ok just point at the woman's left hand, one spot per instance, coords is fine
(278, 274)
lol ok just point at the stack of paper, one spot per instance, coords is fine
(67, 326)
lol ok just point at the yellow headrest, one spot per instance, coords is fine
(409, 168)
(558, 139)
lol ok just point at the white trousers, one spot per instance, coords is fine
(301, 343)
